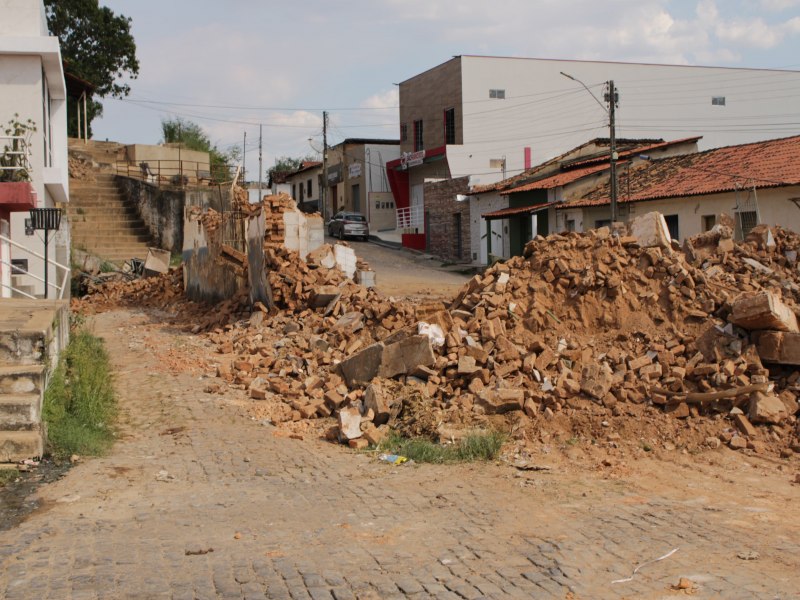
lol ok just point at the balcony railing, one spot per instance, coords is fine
(15, 158)
(411, 217)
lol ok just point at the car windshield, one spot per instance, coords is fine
(357, 218)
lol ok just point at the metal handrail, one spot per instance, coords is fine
(66, 270)
(174, 172)
(21, 271)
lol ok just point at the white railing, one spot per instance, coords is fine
(21, 271)
(411, 217)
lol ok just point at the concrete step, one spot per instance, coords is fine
(133, 226)
(32, 332)
(16, 446)
(20, 411)
(105, 212)
(109, 225)
(22, 379)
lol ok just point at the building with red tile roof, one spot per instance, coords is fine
(754, 183)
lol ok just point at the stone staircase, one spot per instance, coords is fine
(32, 335)
(103, 223)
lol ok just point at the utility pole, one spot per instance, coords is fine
(324, 165)
(611, 99)
(244, 156)
(260, 163)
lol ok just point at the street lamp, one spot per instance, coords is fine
(611, 98)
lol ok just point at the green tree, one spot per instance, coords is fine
(287, 164)
(97, 46)
(192, 137)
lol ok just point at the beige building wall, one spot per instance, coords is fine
(167, 160)
(425, 97)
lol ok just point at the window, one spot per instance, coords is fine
(403, 132)
(747, 220)
(708, 222)
(308, 189)
(419, 143)
(294, 191)
(302, 188)
(570, 224)
(718, 100)
(602, 223)
(499, 94)
(672, 225)
(450, 126)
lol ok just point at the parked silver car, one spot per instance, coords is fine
(348, 224)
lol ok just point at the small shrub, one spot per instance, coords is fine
(79, 403)
(478, 445)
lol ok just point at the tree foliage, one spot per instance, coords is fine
(191, 136)
(287, 164)
(97, 45)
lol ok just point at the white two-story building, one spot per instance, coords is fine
(35, 171)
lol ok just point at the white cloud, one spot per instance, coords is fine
(390, 99)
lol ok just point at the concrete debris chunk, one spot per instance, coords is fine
(650, 230)
(363, 367)
(763, 310)
(349, 423)
(403, 356)
(766, 408)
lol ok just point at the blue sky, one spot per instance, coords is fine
(232, 65)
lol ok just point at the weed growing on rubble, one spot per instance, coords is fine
(79, 403)
(479, 445)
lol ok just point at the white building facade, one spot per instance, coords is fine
(492, 117)
(32, 87)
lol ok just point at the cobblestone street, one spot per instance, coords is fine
(198, 501)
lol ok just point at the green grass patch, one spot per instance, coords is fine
(476, 446)
(7, 476)
(80, 404)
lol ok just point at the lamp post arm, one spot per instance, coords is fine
(568, 76)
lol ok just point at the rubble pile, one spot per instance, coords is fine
(610, 336)
(584, 329)
(160, 291)
(81, 169)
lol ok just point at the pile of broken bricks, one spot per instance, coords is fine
(597, 327)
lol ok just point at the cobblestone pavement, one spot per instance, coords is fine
(197, 501)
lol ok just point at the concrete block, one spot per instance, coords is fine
(766, 408)
(402, 357)
(763, 310)
(651, 230)
(365, 278)
(345, 259)
(349, 423)
(362, 367)
(778, 347)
